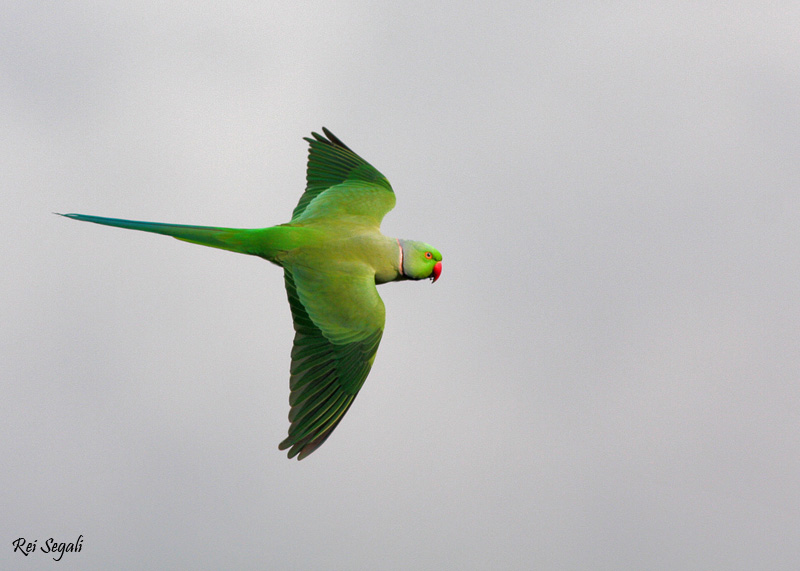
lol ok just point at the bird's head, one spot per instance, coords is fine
(420, 260)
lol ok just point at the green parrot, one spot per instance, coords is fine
(333, 255)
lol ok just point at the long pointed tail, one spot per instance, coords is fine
(259, 242)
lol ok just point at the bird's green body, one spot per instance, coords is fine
(333, 255)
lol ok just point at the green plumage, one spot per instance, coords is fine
(333, 255)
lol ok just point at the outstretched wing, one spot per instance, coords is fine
(338, 321)
(342, 185)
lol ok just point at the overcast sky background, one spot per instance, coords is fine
(605, 377)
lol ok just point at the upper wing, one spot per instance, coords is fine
(338, 321)
(341, 184)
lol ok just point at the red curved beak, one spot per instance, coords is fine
(437, 271)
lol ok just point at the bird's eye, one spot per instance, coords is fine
(428, 255)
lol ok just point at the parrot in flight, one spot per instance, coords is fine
(333, 254)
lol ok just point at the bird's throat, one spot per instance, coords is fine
(401, 261)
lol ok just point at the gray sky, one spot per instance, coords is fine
(605, 377)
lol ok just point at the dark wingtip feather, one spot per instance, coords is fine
(334, 139)
(296, 448)
(329, 139)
